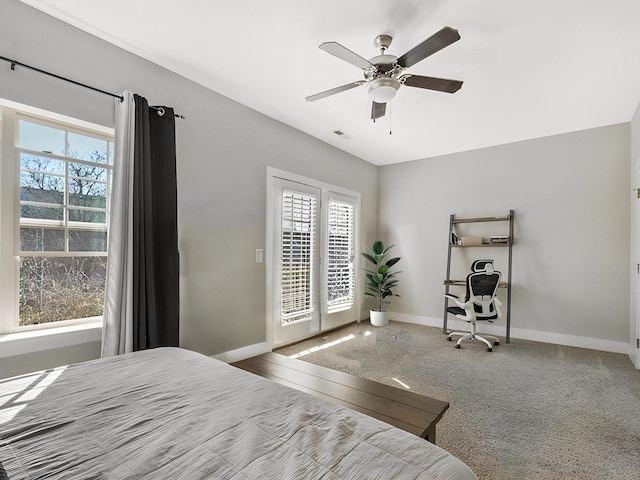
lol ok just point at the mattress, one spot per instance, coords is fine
(170, 413)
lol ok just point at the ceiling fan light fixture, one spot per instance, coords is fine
(383, 89)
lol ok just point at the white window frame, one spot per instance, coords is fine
(10, 112)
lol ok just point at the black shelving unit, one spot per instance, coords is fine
(506, 283)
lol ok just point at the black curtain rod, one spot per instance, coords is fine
(59, 77)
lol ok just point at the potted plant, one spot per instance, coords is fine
(380, 281)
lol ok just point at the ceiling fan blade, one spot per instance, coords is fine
(432, 83)
(333, 91)
(377, 110)
(343, 53)
(431, 45)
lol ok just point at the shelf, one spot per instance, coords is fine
(463, 283)
(482, 245)
(448, 283)
(482, 219)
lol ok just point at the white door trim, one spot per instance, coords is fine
(272, 175)
(634, 351)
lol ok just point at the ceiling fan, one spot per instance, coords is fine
(383, 74)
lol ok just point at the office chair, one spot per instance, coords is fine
(480, 303)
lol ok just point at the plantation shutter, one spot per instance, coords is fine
(340, 259)
(298, 256)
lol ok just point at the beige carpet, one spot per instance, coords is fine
(527, 410)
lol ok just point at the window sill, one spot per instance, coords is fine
(49, 338)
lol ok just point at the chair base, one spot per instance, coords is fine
(474, 336)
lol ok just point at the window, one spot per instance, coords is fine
(298, 254)
(340, 255)
(59, 175)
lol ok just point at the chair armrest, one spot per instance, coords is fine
(456, 299)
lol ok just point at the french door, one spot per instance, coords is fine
(314, 238)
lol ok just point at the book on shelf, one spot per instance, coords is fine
(499, 239)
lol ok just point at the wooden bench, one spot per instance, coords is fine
(417, 414)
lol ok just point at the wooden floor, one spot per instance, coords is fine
(417, 414)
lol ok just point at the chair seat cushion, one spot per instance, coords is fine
(456, 310)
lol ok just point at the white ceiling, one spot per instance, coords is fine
(531, 68)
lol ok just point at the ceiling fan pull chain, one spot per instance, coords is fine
(390, 115)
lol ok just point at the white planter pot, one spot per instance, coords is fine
(379, 319)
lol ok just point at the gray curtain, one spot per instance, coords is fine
(142, 295)
(156, 307)
(117, 330)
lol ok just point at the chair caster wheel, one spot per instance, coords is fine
(457, 346)
(449, 338)
(496, 343)
(489, 349)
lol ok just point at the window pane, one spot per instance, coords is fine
(41, 138)
(61, 288)
(87, 241)
(298, 253)
(42, 213)
(41, 164)
(87, 216)
(85, 193)
(87, 148)
(90, 172)
(41, 239)
(41, 187)
(340, 262)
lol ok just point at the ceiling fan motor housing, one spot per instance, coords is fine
(384, 63)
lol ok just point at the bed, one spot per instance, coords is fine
(170, 413)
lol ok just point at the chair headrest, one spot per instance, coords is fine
(484, 265)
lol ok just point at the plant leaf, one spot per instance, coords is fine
(392, 262)
(388, 248)
(370, 258)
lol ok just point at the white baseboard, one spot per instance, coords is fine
(533, 335)
(243, 353)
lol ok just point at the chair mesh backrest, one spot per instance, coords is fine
(483, 286)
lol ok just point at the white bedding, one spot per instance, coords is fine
(169, 413)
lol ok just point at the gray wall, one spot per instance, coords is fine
(570, 194)
(223, 152)
(54, 357)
